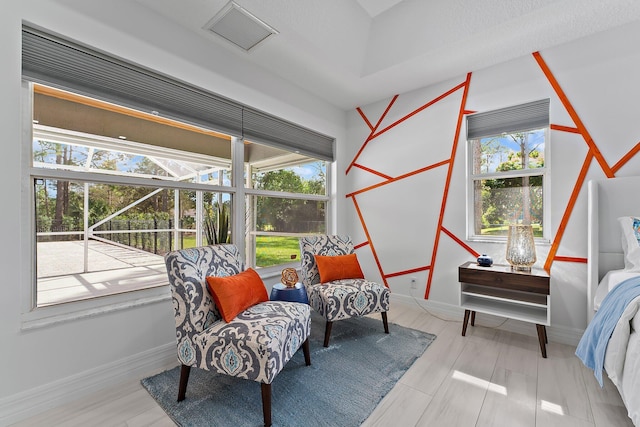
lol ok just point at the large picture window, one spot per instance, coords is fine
(126, 163)
(507, 171)
(113, 193)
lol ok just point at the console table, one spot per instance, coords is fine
(502, 291)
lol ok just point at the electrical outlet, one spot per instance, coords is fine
(414, 284)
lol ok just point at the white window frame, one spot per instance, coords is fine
(546, 189)
(250, 191)
(37, 317)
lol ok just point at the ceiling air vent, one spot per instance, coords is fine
(238, 26)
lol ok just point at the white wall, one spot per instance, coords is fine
(43, 366)
(599, 76)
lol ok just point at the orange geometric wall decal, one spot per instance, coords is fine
(372, 128)
(418, 110)
(564, 128)
(579, 128)
(445, 196)
(403, 176)
(574, 115)
(380, 174)
(567, 212)
(461, 243)
(366, 232)
(360, 245)
(594, 152)
(626, 158)
(402, 273)
(388, 180)
(571, 259)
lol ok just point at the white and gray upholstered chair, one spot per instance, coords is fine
(255, 345)
(339, 299)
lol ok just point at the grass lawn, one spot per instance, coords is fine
(270, 250)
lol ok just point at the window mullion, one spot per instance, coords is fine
(124, 180)
(510, 174)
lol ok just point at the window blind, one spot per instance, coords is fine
(532, 115)
(54, 61)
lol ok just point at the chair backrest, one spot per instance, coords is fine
(326, 245)
(188, 269)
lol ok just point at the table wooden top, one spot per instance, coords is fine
(503, 276)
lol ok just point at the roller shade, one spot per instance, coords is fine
(51, 60)
(261, 128)
(533, 115)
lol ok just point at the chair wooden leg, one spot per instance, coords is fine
(184, 379)
(384, 322)
(327, 333)
(307, 353)
(266, 403)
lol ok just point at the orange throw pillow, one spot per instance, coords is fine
(234, 294)
(338, 267)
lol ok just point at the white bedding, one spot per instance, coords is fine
(608, 282)
(622, 361)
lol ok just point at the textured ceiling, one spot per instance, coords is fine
(354, 52)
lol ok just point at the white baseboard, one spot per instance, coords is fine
(47, 396)
(559, 334)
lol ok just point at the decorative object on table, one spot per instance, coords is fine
(340, 291)
(485, 260)
(206, 340)
(289, 277)
(321, 396)
(521, 249)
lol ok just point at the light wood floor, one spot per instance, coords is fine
(488, 378)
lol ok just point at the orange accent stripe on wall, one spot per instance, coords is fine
(416, 111)
(574, 115)
(373, 129)
(445, 195)
(402, 273)
(406, 175)
(460, 242)
(626, 158)
(358, 246)
(570, 259)
(567, 212)
(373, 249)
(565, 129)
(380, 174)
(365, 118)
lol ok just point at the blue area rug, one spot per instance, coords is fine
(343, 385)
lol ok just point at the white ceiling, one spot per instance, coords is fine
(354, 52)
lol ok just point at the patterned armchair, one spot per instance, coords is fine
(339, 299)
(254, 346)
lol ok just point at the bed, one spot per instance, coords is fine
(610, 265)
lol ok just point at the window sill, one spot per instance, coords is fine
(276, 270)
(42, 317)
(503, 240)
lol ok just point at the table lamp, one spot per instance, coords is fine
(521, 250)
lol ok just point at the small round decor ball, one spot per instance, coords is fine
(289, 277)
(485, 260)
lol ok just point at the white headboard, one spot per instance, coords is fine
(608, 200)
